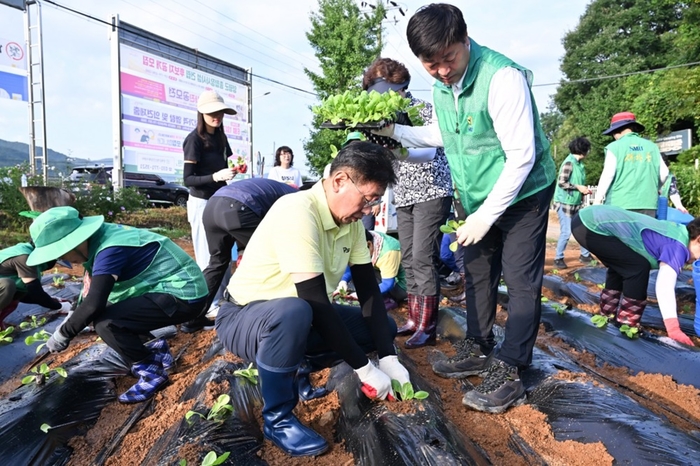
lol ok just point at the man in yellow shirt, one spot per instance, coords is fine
(279, 310)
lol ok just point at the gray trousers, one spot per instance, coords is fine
(419, 235)
(8, 288)
(515, 245)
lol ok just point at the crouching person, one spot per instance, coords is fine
(135, 281)
(279, 312)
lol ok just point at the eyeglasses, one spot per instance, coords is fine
(368, 203)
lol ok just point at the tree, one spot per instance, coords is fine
(345, 41)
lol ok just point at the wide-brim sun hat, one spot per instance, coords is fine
(622, 119)
(381, 85)
(60, 230)
(212, 102)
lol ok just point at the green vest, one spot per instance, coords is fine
(472, 148)
(628, 226)
(392, 244)
(172, 271)
(578, 177)
(636, 184)
(14, 251)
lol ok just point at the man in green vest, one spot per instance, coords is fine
(571, 187)
(135, 281)
(20, 282)
(633, 171)
(499, 157)
(630, 244)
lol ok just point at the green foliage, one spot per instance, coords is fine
(99, 199)
(12, 202)
(58, 282)
(577, 277)
(212, 459)
(405, 392)
(34, 323)
(249, 373)
(5, 335)
(219, 411)
(451, 227)
(599, 321)
(688, 180)
(544, 299)
(630, 332)
(39, 374)
(41, 335)
(560, 308)
(352, 108)
(345, 42)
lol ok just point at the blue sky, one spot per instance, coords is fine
(265, 35)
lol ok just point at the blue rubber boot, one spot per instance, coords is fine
(306, 390)
(280, 425)
(152, 377)
(162, 350)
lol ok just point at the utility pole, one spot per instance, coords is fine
(389, 6)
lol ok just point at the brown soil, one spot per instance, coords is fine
(489, 431)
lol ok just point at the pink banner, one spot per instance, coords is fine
(144, 88)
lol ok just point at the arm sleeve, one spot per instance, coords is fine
(606, 177)
(95, 301)
(565, 176)
(328, 323)
(419, 136)
(347, 276)
(420, 155)
(373, 308)
(510, 108)
(195, 180)
(666, 291)
(37, 295)
(386, 285)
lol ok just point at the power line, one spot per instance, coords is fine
(93, 18)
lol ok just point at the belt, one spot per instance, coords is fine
(227, 296)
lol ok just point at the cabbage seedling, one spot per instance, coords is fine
(218, 412)
(405, 392)
(41, 335)
(451, 227)
(560, 308)
(41, 373)
(45, 428)
(34, 323)
(249, 373)
(5, 335)
(599, 321)
(58, 282)
(212, 459)
(631, 332)
(577, 277)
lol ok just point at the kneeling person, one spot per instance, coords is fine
(135, 281)
(279, 312)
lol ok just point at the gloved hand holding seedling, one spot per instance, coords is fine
(238, 164)
(451, 227)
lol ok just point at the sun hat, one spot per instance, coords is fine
(211, 102)
(622, 119)
(381, 85)
(60, 230)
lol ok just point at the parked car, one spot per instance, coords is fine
(156, 188)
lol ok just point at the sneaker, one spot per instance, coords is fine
(454, 278)
(560, 264)
(200, 323)
(585, 259)
(500, 389)
(469, 360)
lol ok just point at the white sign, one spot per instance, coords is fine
(13, 70)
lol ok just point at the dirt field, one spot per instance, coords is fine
(493, 433)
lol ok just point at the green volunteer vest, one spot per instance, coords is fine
(473, 150)
(392, 244)
(578, 177)
(636, 184)
(628, 226)
(14, 251)
(172, 271)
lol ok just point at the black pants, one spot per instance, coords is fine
(278, 333)
(126, 325)
(628, 271)
(226, 222)
(515, 245)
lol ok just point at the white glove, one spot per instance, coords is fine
(66, 307)
(376, 385)
(472, 231)
(387, 131)
(342, 288)
(224, 174)
(391, 366)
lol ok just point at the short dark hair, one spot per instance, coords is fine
(693, 228)
(580, 146)
(391, 70)
(279, 151)
(367, 162)
(434, 27)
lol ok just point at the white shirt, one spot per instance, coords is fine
(608, 176)
(510, 108)
(290, 176)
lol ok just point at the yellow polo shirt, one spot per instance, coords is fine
(298, 235)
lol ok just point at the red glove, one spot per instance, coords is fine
(375, 383)
(674, 331)
(243, 168)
